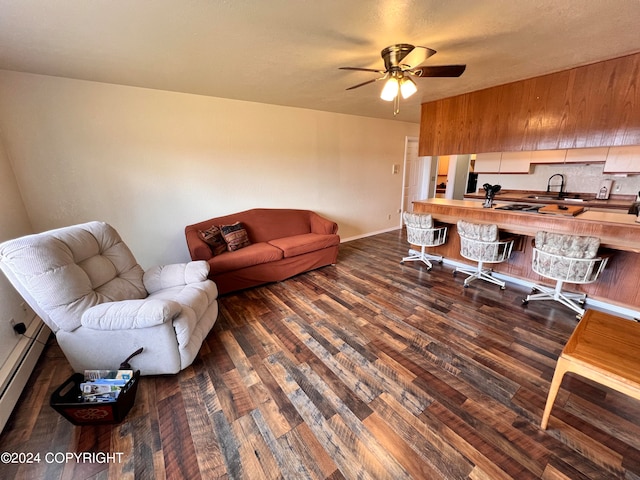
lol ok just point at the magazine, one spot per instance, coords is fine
(103, 385)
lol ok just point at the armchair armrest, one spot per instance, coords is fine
(130, 314)
(198, 248)
(177, 274)
(320, 224)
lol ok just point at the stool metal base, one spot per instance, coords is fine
(479, 273)
(572, 300)
(422, 256)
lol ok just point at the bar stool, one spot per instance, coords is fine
(565, 258)
(422, 232)
(481, 243)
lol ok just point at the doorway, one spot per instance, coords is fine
(416, 184)
(428, 177)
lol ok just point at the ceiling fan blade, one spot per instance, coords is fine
(365, 83)
(361, 69)
(416, 56)
(439, 71)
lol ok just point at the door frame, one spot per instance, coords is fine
(427, 174)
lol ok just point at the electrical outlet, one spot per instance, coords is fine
(617, 188)
(12, 322)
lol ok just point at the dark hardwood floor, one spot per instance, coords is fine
(367, 369)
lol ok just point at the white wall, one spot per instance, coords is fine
(17, 354)
(151, 162)
(14, 222)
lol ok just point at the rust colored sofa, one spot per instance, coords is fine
(283, 243)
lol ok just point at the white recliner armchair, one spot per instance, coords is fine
(86, 285)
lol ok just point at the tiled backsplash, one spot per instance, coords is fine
(579, 178)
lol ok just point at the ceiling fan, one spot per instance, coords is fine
(401, 62)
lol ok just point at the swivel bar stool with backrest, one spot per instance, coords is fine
(565, 258)
(481, 243)
(422, 233)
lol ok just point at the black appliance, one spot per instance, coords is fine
(490, 192)
(472, 182)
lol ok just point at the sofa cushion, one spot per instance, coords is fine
(305, 243)
(253, 254)
(235, 235)
(213, 237)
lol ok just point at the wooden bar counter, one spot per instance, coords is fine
(619, 236)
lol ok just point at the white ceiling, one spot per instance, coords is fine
(287, 52)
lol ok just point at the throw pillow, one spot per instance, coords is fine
(235, 235)
(213, 237)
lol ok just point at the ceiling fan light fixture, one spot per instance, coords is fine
(390, 89)
(407, 87)
(402, 62)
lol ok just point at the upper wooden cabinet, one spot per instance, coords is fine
(503, 162)
(615, 159)
(548, 156)
(596, 105)
(515, 162)
(623, 160)
(586, 155)
(487, 163)
(571, 155)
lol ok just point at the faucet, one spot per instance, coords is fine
(561, 192)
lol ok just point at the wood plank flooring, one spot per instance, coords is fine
(368, 369)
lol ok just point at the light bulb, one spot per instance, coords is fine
(390, 90)
(407, 87)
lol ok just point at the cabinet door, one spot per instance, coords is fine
(623, 160)
(548, 156)
(487, 163)
(586, 155)
(515, 162)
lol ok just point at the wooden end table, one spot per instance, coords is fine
(603, 348)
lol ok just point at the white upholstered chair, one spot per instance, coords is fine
(85, 284)
(565, 259)
(422, 233)
(481, 243)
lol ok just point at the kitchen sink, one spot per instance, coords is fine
(545, 197)
(564, 198)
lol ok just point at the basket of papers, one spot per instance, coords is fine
(97, 397)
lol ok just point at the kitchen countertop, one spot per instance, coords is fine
(616, 230)
(586, 200)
